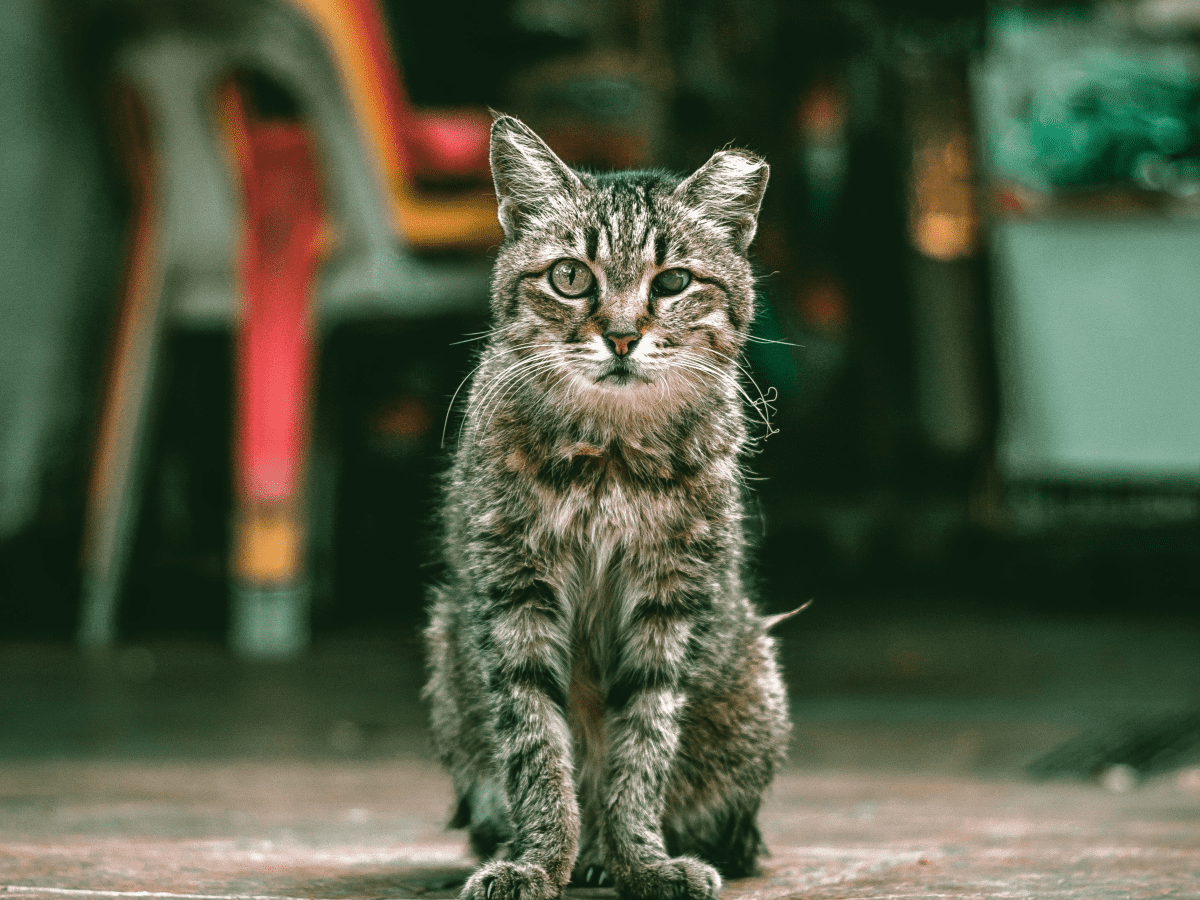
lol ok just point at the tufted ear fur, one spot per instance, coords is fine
(526, 172)
(728, 191)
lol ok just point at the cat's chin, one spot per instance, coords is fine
(626, 396)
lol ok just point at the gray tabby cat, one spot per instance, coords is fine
(603, 693)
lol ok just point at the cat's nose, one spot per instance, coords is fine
(622, 342)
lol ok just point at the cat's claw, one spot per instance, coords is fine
(503, 880)
(590, 871)
(681, 878)
(595, 875)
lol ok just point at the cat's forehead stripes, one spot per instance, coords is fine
(660, 249)
(627, 232)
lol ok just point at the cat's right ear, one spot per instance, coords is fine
(527, 174)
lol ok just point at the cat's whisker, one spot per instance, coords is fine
(761, 407)
(745, 371)
(512, 370)
(761, 340)
(480, 397)
(698, 365)
(471, 336)
(450, 406)
(500, 386)
(514, 385)
(467, 377)
(478, 394)
(766, 407)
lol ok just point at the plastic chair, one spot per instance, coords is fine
(280, 230)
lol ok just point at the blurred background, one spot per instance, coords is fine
(244, 267)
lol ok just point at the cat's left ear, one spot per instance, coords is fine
(728, 191)
(526, 172)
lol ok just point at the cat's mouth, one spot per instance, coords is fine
(620, 372)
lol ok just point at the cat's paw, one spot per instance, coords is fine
(502, 880)
(681, 878)
(591, 874)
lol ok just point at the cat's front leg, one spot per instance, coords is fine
(522, 637)
(645, 704)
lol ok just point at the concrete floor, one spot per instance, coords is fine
(374, 830)
(170, 770)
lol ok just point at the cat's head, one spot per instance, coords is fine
(627, 283)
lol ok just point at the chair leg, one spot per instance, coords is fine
(117, 470)
(281, 250)
(270, 591)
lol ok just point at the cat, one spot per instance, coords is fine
(603, 693)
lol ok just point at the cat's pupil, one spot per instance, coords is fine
(571, 278)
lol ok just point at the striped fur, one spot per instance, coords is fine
(602, 692)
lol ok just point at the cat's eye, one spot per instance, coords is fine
(571, 278)
(671, 282)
